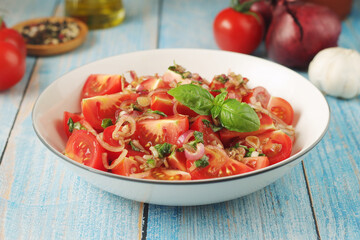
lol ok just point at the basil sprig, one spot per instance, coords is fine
(232, 114)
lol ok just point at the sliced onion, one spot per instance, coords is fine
(175, 106)
(115, 162)
(108, 147)
(124, 132)
(89, 127)
(158, 90)
(199, 153)
(184, 138)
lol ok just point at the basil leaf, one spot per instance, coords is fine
(70, 123)
(199, 137)
(212, 126)
(238, 116)
(163, 149)
(194, 97)
(202, 162)
(106, 122)
(157, 112)
(215, 111)
(151, 163)
(135, 148)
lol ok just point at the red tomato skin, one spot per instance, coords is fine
(161, 130)
(256, 162)
(208, 134)
(81, 143)
(74, 116)
(3, 25)
(162, 102)
(101, 84)
(276, 137)
(282, 109)
(266, 125)
(177, 160)
(95, 109)
(12, 36)
(238, 32)
(126, 167)
(12, 65)
(220, 165)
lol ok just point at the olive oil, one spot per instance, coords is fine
(96, 13)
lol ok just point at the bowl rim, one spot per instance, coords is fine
(182, 182)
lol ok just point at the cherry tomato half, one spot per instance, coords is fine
(83, 147)
(282, 109)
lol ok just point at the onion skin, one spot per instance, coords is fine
(299, 31)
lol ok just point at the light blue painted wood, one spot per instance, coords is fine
(39, 197)
(36, 190)
(280, 211)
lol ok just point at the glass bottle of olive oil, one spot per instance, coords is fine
(96, 13)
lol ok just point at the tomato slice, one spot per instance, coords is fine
(276, 145)
(152, 83)
(95, 109)
(101, 84)
(162, 102)
(256, 162)
(83, 147)
(126, 167)
(282, 109)
(76, 117)
(220, 165)
(258, 94)
(203, 124)
(266, 124)
(177, 160)
(163, 174)
(155, 131)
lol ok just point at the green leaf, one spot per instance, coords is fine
(163, 149)
(106, 122)
(194, 97)
(134, 147)
(157, 112)
(199, 137)
(70, 123)
(238, 116)
(212, 126)
(151, 163)
(218, 102)
(202, 162)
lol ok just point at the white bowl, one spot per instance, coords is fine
(312, 116)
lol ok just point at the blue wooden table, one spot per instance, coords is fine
(41, 199)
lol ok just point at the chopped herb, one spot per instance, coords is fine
(151, 163)
(202, 162)
(250, 151)
(106, 122)
(135, 107)
(262, 155)
(212, 126)
(73, 125)
(163, 149)
(199, 138)
(181, 71)
(134, 147)
(157, 112)
(221, 78)
(180, 149)
(70, 123)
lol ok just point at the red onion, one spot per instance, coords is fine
(299, 31)
(199, 153)
(264, 8)
(184, 138)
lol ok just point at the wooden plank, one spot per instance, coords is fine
(11, 98)
(332, 169)
(39, 197)
(280, 211)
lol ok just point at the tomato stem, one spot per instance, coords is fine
(242, 7)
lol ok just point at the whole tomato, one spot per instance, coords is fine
(238, 29)
(2, 23)
(12, 58)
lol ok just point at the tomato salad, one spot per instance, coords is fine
(178, 126)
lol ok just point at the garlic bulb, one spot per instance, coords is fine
(336, 71)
